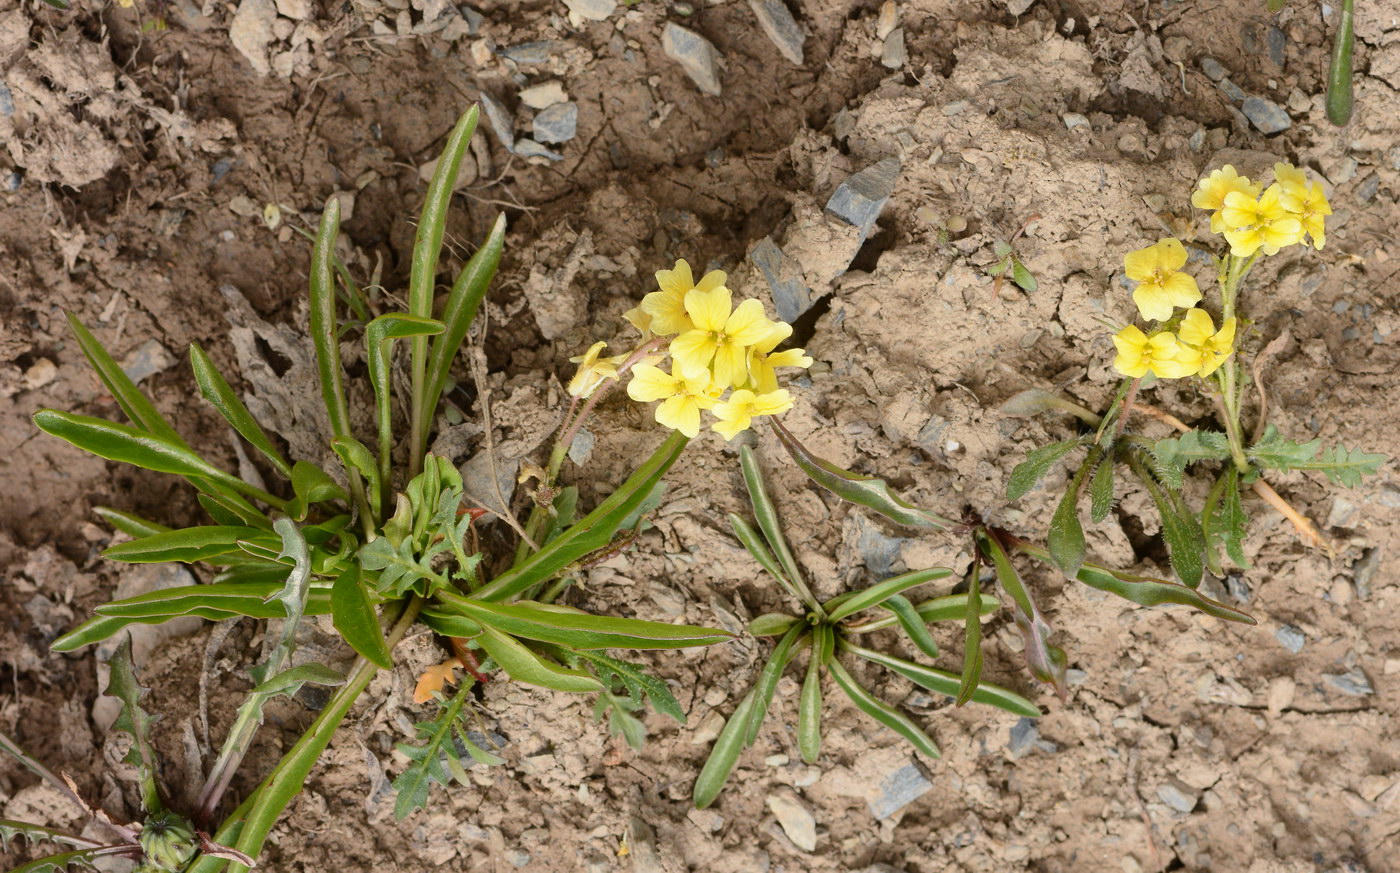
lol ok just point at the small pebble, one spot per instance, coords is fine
(795, 818)
(502, 123)
(888, 20)
(39, 374)
(1176, 797)
(528, 148)
(1024, 733)
(1267, 116)
(592, 10)
(780, 27)
(1214, 70)
(1291, 638)
(894, 54)
(1231, 90)
(860, 198)
(1074, 119)
(899, 789)
(543, 95)
(1281, 693)
(558, 123)
(1353, 682)
(695, 54)
(537, 52)
(1364, 570)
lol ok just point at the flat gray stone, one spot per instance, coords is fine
(877, 551)
(894, 54)
(1364, 570)
(1237, 587)
(7, 101)
(536, 52)
(1266, 115)
(1073, 120)
(780, 27)
(558, 123)
(1277, 41)
(899, 789)
(1176, 797)
(528, 148)
(861, 197)
(1024, 733)
(146, 360)
(1291, 638)
(1214, 70)
(791, 296)
(1353, 682)
(695, 54)
(502, 122)
(1231, 90)
(592, 10)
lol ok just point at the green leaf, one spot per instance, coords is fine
(594, 531)
(118, 442)
(523, 665)
(1037, 464)
(134, 721)
(868, 491)
(1277, 453)
(355, 619)
(912, 623)
(132, 525)
(231, 598)
(79, 858)
(1346, 466)
(1101, 491)
(11, 831)
(724, 755)
(952, 607)
(1341, 465)
(576, 629)
(1066, 536)
(637, 682)
(313, 485)
(767, 684)
(882, 712)
(1186, 545)
(759, 549)
(459, 311)
(379, 341)
(450, 624)
(1034, 401)
(355, 457)
(766, 514)
(437, 761)
(186, 545)
(1224, 521)
(400, 570)
(133, 402)
(292, 597)
(1047, 663)
(772, 624)
(1339, 93)
(809, 705)
(1170, 456)
(943, 682)
(1022, 276)
(219, 393)
(1277, 5)
(289, 682)
(848, 605)
(972, 640)
(324, 334)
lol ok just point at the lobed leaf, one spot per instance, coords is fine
(134, 721)
(1171, 456)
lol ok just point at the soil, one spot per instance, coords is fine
(145, 144)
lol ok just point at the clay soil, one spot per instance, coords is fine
(144, 144)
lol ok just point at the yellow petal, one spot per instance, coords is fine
(1244, 242)
(1140, 264)
(711, 280)
(772, 403)
(640, 319)
(692, 351)
(789, 358)
(1196, 328)
(778, 331)
(1171, 254)
(677, 280)
(709, 310)
(680, 413)
(731, 364)
(667, 311)
(1240, 211)
(1152, 301)
(748, 324)
(650, 383)
(1181, 289)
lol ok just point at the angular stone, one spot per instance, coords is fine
(536, 52)
(899, 789)
(1176, 797)
(297, 10)
(894, 55)
(1214, 70)
(695, 54)
(558, 123)
(592, 10)
(1364, 570)
(1266, 115)
(251, 31)
(1073, 120)
(861, 197)
(791, 296)
(878, 551)
(502, 122)
(1291, 638)
(528, 148)
(1024, 733)
(795, 818)
(780, 27)
(146, 360)
(1353, 682)
(1232, 91)
(543, 95)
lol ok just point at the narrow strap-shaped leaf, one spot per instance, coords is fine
(972, 639)
(324, 335)
(1030, 471)
(450, 624)
(868, 491)
(725, 753)
(881, 711)
(523, 665)
(943, 682)
(244, 598)
(355, 619)
(219, 393)
(592, 532)
(379, 343)
(951, 607)
(459, 311)
(290, 681)
(132, 525)
(767, 684)
(119, 442)
(809, 706)
(882, 591)
(227, 507)
(187, 545)
(766, 514)
(581, 630)
(1339, 95)
(1066, 536)
(1046, 662)
(102, 627)
(912, 623)
(772, 624)
(130, 398)
(759, 549)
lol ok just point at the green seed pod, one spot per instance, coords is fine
(168, 844)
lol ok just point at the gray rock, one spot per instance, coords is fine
(7, 101)
(1366, 191)
(780, 27)
(1176, 797)
(1214, 70)
(1231, 90)
(14, 180)
(517, 857)
(1342, 512)
(536, 52)
(1291, 638)
(878, 551)
(1073, 120)
(502, 122)
(558, 123)
(791, 296)
(528, 148)
(1353, 682)
(1278, 43)
(581, 449)
(894, 54)
(592, 10)
(1024, 733)
(1390, 492)
(1364, 570)
(474, 19)
(899, 789)
(1197, 140)
(1237, 587)
(861, 197)
(146, 360)
(695, 54)
(930, 437)
(796, 819)
(1266, 115)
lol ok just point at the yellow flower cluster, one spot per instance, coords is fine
(715, 348)
(1196, 348)
(1255, 219)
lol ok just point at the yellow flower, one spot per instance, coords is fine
(720, 336)
(666, 307)
(1163, 287)
(681, 397)
(1197, 332)
(592, 370)
(1307, 202)
(1211, 192)
(1160, 354)
(1252, 225)
(763, 361)
(739, 411)
(638, 318)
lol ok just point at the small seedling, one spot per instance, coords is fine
(1010, 264)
